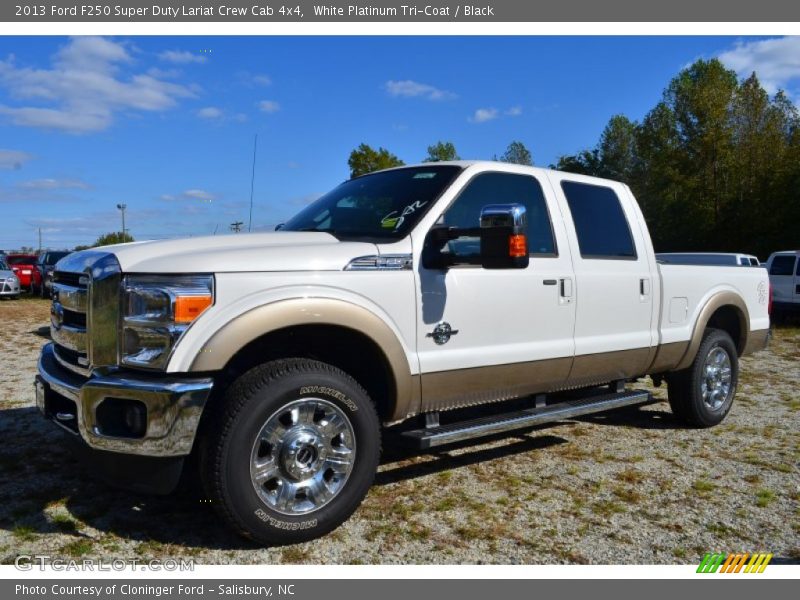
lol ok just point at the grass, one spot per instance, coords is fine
(703, 486)
(65, 524)
(78, 547)
(24, 533)
(764, 497)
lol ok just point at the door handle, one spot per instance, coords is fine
(644, 287)
(566, 287)
(549, 282)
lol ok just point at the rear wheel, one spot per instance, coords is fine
(702, 395)
(294, 453)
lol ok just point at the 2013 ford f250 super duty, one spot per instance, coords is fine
(276, 361)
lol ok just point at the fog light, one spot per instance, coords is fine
(121, 417)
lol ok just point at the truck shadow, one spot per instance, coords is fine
(47, 491)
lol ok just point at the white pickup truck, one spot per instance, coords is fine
(391, 305)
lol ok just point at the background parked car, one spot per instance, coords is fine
(9, 284)
(784, 276)
(46, 265)
(24, 267)
(708, 258)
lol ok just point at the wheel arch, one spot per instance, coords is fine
(726, 311)
(341, 333)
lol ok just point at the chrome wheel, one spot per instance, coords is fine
(302, 456)
(715, 386)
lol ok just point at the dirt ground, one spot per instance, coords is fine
(633, 486)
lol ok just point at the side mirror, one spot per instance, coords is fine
(503, 233)
(279, 226)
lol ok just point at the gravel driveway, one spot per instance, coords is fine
(632, 486)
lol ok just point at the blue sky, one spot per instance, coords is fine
(166, 124)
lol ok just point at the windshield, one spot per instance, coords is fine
(53, 257)
(3, 266)
(381, 205)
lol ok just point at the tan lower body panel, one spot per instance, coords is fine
(757, 340)
(668, 356)
(594, 369)
(479, 385)
(445, 390)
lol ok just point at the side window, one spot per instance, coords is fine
(501, 188)
(600, 223)
(782, 265)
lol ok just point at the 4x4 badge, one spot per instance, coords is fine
(442, 332)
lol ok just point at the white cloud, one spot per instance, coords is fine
(269, 106)
(514, 111)
(181, 57)
(190, 194)
(54, 184)
(12, 160)
(408, 88)
(83, 89)
(776, 61)
(210, 112)
(482, 115)
(199, 195)
(264, 80)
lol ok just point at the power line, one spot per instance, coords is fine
(236, 227)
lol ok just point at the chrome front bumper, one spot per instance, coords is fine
(172, 407)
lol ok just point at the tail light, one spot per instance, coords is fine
(769, 303)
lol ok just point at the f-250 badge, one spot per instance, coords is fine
(442, 332)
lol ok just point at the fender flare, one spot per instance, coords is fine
(717, 301)
(224, 343)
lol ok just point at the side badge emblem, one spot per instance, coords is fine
(442, 332)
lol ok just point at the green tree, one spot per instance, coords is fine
(116, 237)
(365, 159)
(442, 151)
(516, 153)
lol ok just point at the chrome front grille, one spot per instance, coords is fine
(84, 317)
(68, 320)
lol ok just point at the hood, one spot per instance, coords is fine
(6, 274)
(274, 251)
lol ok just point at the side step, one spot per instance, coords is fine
(431, 437)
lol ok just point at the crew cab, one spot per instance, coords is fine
(422, 305)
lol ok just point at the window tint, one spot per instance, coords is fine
(782, 265)
(600, 224)
(501, 188)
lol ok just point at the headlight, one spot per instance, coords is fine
(156, 311)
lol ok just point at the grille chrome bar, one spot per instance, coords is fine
(71, 297)
(72, 338)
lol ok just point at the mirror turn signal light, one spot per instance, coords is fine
(517, 245)
(188, 308)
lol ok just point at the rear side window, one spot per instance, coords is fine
(782, 265)
(600, 223)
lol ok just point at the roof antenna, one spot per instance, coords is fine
(252, 183)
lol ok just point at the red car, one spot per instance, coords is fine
(24, 267)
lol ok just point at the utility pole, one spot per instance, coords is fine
(40, 239)
(252, 183)
(122, 207)
(236, 227)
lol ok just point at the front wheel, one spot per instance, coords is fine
(702, 395)
(294, 453)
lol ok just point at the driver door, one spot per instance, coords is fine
(510, 330)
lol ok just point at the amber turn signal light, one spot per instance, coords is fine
(188, 308)
(517, 245)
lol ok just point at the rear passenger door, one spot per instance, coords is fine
(614, 263)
